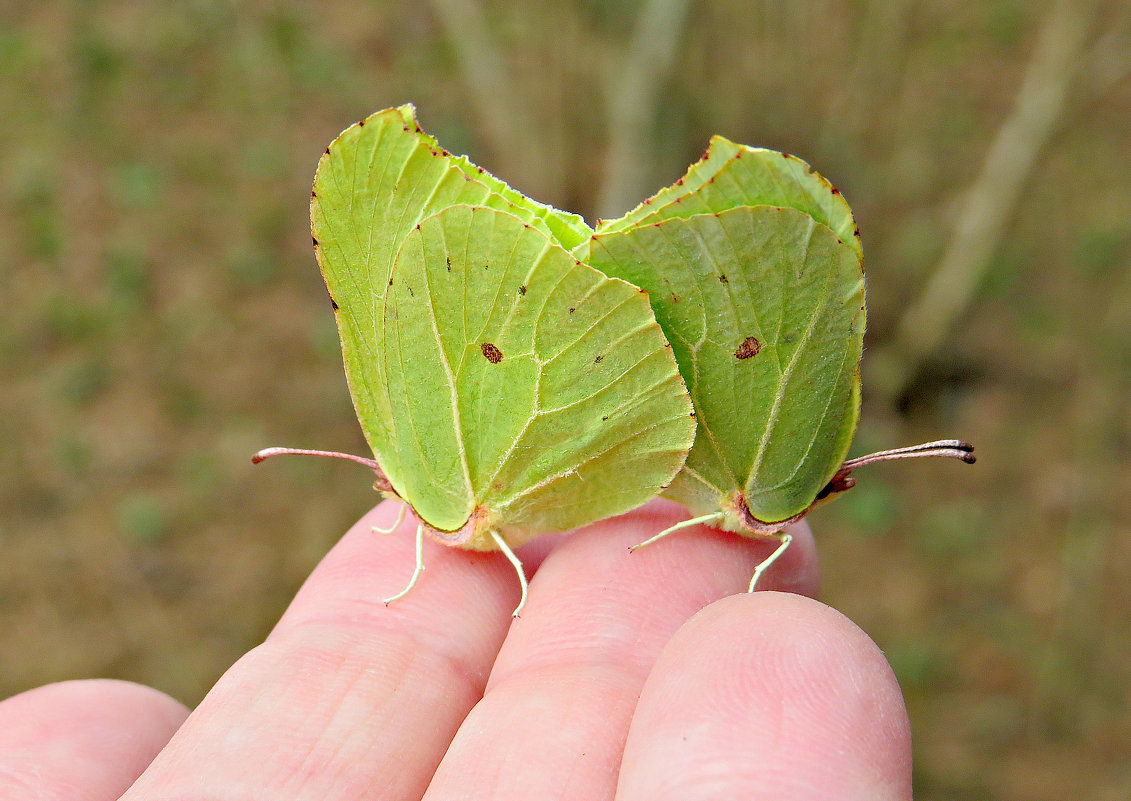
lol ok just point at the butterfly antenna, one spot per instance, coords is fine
(695, 521)
(509, 554)
(267, 453)
(382, 483)
(952, 448)
(417, 571)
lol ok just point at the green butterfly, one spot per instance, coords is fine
(753, 266)
(505, 387)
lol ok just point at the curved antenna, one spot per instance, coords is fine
(842, 480)
(267, 453)
(382, 482)
(952, 448)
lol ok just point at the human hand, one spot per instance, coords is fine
(649, 675)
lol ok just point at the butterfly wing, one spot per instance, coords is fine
(374, 184)
(528, 391)
(731, 175)
(764, 308)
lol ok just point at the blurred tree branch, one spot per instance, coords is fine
(1109, 60)
(882, 41)
(988, 204)
(631, 99)
(509, 126)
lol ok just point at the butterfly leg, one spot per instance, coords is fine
(419, 567)
(509, 554)
(396, 523)
(695, 521)
(785, 539)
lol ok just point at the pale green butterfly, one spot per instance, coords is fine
(752, 263)
(506, 388)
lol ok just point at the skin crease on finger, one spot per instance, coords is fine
(769, 695)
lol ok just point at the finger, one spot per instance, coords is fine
(769, 696)
(556, 713)
(348, 698)
(82, 740)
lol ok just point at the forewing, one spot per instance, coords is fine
(765, 310)
(524, 383)
(719, 153)
(374, 183)
(731, 175)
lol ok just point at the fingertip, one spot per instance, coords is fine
(772, 691)
(97, 734)
(70, 705)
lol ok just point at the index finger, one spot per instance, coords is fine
(345, 688)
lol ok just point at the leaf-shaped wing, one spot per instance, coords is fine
(374, 183)
(731, 175)
(764, 308)
(526, 387)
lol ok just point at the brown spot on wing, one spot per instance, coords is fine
(748, 349)
(491, 352)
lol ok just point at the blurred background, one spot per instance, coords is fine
(162, 317)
